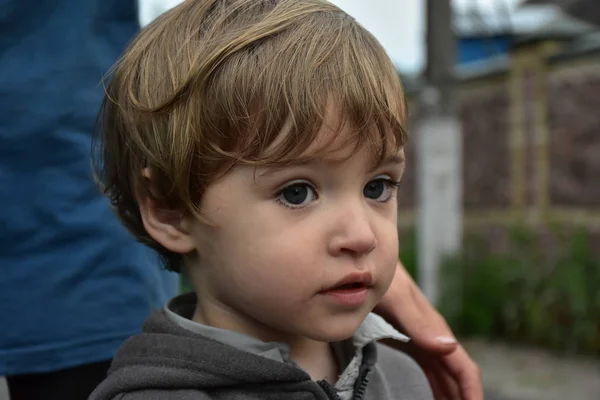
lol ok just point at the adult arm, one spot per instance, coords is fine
(451, 372)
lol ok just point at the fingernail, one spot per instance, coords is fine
(446, 339)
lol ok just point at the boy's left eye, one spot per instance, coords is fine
(379, 189)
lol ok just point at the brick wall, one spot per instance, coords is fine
(574, 121)
(573, 109)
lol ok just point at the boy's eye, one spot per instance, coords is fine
(297, 195)
(379, 189)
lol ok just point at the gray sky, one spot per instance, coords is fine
(399, 25)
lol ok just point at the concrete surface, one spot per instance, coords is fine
(519, 373)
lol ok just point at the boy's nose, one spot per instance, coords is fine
(355, 235)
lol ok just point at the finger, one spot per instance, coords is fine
(437, 345)
(405, 307)
(429, 330)
(448, 385)
(464, 370)
(438, 393)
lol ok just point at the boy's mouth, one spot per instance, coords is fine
(352, 282)
(350, 286)
(351, 291)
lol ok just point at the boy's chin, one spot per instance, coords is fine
(338, 329)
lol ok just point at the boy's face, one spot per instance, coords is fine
(280, 239)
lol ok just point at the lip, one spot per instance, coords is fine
(344, 294)
(363, 278)
(347, 297)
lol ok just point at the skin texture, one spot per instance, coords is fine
(450, 370)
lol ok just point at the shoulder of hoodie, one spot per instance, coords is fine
(163, 394)
(397, 374)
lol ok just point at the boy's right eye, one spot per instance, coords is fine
(297, 195)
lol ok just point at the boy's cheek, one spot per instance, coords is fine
(390, 258)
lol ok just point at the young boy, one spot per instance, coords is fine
(256, 145)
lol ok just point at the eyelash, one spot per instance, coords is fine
(391, 183)
(280, 192)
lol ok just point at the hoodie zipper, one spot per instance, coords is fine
(359, 393)
(329, 391)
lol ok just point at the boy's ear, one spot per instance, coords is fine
(168, 227)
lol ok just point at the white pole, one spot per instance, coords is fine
(439, 177)
(439, 154)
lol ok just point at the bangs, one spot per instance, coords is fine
(272, 97)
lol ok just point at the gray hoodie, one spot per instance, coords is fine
(169, 361)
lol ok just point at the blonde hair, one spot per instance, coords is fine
(212, 83)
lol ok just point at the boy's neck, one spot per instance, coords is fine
(315, 357)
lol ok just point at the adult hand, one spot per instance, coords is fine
(451, 372)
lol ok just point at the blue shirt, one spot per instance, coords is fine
(73, 283)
